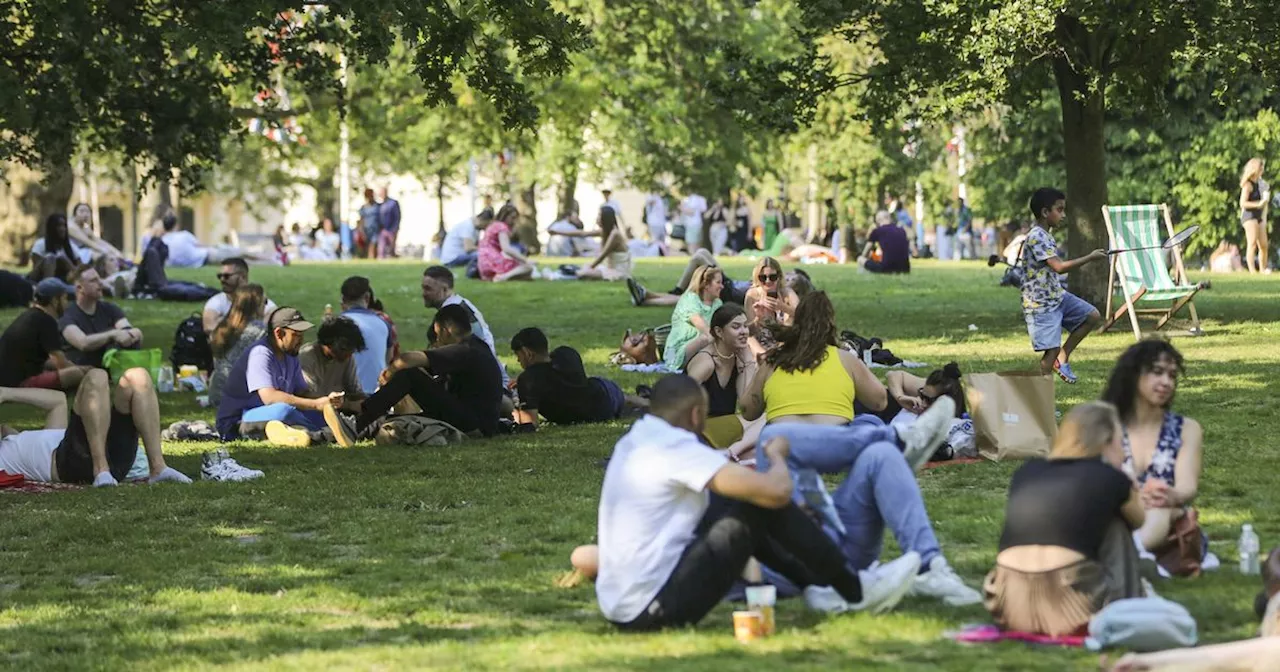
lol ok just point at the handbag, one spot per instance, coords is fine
(117, 361)
(1184, 548)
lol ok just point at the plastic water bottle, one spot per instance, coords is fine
(328, 310)
(1250, 546)
(164, 382)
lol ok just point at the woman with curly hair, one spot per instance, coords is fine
(806, 390)
(1162, 450)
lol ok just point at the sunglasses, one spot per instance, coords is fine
(769, 277)
(928, 400)
(226, 276)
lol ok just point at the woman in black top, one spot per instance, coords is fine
(725, 368)
(1067, 548)
(1253, 200)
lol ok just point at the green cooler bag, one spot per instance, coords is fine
(117, 361)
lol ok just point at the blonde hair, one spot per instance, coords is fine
(1252, 167)
(702, 277)
(1086, 431)
(765, 262)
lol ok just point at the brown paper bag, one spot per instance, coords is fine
(1013, 414)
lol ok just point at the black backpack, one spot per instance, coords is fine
(191, 346)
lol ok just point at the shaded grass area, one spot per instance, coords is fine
(397, 557)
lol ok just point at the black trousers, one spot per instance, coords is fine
(732, 532)
(431, 394)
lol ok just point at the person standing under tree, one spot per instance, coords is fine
(388, 224)
(1048, 307)
(1253, 202)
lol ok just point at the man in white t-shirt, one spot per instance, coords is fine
(459, 247)
(655, 217)
(670, 549)
(691, 210)
(185, 250)
(437, 292)
(233, 274)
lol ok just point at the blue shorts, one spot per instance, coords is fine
(617, 398)
(1046, 327)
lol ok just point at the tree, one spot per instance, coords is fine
(153, 79)
(953, 57)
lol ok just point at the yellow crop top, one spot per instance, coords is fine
(825, 390)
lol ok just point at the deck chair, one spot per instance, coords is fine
(1142, 276)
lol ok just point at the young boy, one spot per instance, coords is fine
(1047, 306)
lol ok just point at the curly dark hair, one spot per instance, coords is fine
(341, 334)
(947, 382)
(802, 346)
(1122, 388)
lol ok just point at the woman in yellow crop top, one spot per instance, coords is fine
(806, 389)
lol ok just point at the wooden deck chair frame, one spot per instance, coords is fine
(1133, 294)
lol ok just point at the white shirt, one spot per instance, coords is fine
(479, 328)
(655, 212)
(30, 453)
(84, 255)
(653, 498)
(453, 246)
(614, 205)
(220, 303)
(693, 206)
(185, 250)
(560, 245)
(329, 243)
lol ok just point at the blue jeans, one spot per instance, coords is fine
(462, 259)
(312, 420)
(879, 488)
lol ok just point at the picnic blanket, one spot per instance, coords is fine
(985, 633)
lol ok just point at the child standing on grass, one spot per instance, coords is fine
(1047, 306)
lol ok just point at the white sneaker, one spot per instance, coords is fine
(921, 440)
(884, 587)
(245, 473)
(942, 582)
(825, 599)
(228, 471)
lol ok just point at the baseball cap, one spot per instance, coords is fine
(288, 318)
(51, 288)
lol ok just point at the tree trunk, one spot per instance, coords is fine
(440, 205)
(527, 229)
(1083, 128)
(55, 193)
(568, 187)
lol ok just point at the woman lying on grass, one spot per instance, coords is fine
(1161, 448)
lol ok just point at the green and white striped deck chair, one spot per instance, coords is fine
(1142, 276)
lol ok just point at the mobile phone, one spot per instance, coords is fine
(773, 293)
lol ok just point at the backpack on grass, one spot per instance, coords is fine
(191, 346)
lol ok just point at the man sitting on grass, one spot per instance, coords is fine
(679, 521)
(556, 385)
(233, 274)
(31, 348)
(457, 382)
(329, 364)
(92, 326)
(265, 391)
(101, 440)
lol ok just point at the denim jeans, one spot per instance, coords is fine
(312, 420)
(879, 488)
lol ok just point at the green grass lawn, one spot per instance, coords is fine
(397, 557)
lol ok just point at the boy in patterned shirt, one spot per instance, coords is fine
(1048, 307)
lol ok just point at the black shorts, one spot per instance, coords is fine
(75, 464)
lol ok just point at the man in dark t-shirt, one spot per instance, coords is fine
(555, 385)
(457, 382)
(895, 249)
(92, 326)
(32, 343)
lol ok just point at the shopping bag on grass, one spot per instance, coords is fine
(1013, 414)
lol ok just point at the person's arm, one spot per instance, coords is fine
(770, 490)
(700, 368)
(747, 369)
(90, 342)
(271, 395)
(1186, 471)
(132, 334)
(867, 387)
(1245, 203)
(752, 402)
(700, 324)
(407, 360)
(504, 242)
(898, 382)
(469, 244)
(1133, 512)
(1060, 266)
(209, 320)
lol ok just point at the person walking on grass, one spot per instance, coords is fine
(1046, 305)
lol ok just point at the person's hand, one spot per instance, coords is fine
(1097, 255)
(336, 399)
(913, 404)
(1156, 494)
(777, 449)
(385, 376)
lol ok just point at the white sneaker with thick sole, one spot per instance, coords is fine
(942, 582)
(922, 439)
(885, 586)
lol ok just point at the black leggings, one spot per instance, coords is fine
(431, 394)
(732, 532)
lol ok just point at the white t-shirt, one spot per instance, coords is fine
(453, 246)
(83, 254)
(30, 453)
(328, 242)
(560, 245)
(220, 303)
(655, 212)
(614, 205)
(693, 206)
(185, 250)
(653, 498)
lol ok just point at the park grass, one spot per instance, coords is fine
(406, 558)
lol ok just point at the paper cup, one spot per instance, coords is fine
(748, 626)
(763, 599)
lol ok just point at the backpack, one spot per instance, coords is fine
(191, 346)
(151, 275)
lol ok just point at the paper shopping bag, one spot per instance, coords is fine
(1013, 414)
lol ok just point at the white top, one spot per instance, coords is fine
(329, 243)
(84, 254)
(655, 211)
(653, 498)
(693, 205)
(614, 205)
(560, 245)
(220, 303)
(185, 250)
(30, 453)
(453, 246)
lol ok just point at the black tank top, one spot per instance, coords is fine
(1255, 194)
(721, 400)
